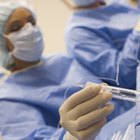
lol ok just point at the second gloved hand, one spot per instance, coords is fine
(84, 113)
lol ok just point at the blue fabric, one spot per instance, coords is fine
(30, 99)
(137, 131)
(102, 40)
(119, 124)
(126, 3)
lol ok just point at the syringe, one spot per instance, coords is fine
(122, 93)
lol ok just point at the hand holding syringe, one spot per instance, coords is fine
(122, 93)
(119, 93)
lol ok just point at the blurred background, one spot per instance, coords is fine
(52, 18)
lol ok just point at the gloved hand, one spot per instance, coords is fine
(84, 113)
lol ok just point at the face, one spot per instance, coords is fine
(17, 20)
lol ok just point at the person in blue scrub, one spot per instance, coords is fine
(101, 38)
(35, 87)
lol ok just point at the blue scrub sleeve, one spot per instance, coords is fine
(101, 57)
(20, 121)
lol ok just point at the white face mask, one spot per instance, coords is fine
(28, 43)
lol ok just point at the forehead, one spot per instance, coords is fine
(19, 14)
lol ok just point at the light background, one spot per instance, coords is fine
(52, 17)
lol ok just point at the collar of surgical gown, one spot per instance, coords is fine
(112, 22)
(55, 73)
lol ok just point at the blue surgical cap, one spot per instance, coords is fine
(6, 9)
(84, 2)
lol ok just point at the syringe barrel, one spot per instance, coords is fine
(122, 93)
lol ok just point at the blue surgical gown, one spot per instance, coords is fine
(122, 124)
(102, 40)
(30, 99)
(119, 124)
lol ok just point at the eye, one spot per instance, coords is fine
(15, 27)
(31, 20)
